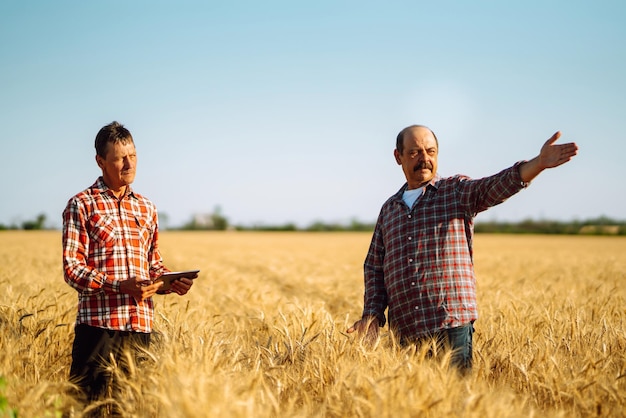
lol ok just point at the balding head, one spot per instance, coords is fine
(400, 137)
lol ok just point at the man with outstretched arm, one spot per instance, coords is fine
(420, 261)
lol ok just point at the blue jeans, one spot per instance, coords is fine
(459, 340)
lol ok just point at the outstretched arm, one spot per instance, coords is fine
(551, 155)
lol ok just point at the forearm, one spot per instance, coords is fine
(375, 299)
(530, 169)
(85, 279)
(157, 268)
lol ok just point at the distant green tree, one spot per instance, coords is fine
(319, 226)
(220, 222)
(164, 220)
(356, 225)
(38, 223)
(269, 228)
(208, 222)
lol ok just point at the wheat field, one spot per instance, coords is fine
(262, 332)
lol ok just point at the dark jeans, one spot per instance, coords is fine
(94, 351)
(459, 340)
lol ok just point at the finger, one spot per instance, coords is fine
(180, 287)
(553, 138)
(150, 290)
(182, 284)
(152, 287)
(570, 148)
(350, 330)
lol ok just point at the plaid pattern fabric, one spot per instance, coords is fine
(420, 260)
(106, 241)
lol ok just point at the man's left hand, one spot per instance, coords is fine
(181, 286)
(553, 155)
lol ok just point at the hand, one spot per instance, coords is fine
(182, 285)
(552, 155)
(139, 289)
(366, 328)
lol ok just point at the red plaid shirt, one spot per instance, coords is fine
(106, 241)
(420, 260)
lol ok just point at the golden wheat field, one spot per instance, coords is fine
(262, 332)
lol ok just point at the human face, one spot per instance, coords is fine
(419, 157)
(119, 166)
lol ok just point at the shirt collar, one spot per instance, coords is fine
(434, 183)
(101, 186)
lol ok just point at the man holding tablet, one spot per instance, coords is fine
(111, 258)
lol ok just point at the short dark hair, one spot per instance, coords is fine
(400, 137)
(112, 133)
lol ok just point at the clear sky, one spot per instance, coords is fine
(287, 111)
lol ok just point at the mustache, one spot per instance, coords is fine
(422, 166)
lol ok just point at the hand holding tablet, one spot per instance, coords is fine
(172, 276)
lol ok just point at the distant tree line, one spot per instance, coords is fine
(35, 224)
(596, 226)
(216, 221)
(317, 226)
(207, 222)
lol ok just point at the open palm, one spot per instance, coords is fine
(553, 155)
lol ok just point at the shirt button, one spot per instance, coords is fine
(417, 308)
(409, 216)
(410, 238)
(412, 283)
(410, 260)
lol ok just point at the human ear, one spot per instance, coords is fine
(396, 154)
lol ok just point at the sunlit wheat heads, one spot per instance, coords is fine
(262, 332)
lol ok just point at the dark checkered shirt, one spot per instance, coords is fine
(420, 260)
(106, 241)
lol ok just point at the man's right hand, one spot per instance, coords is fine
(366, 328)
(139, 289)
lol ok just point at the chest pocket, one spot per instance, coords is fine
(102, 229)
(145, 231)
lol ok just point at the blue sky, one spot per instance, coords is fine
(286, 111)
